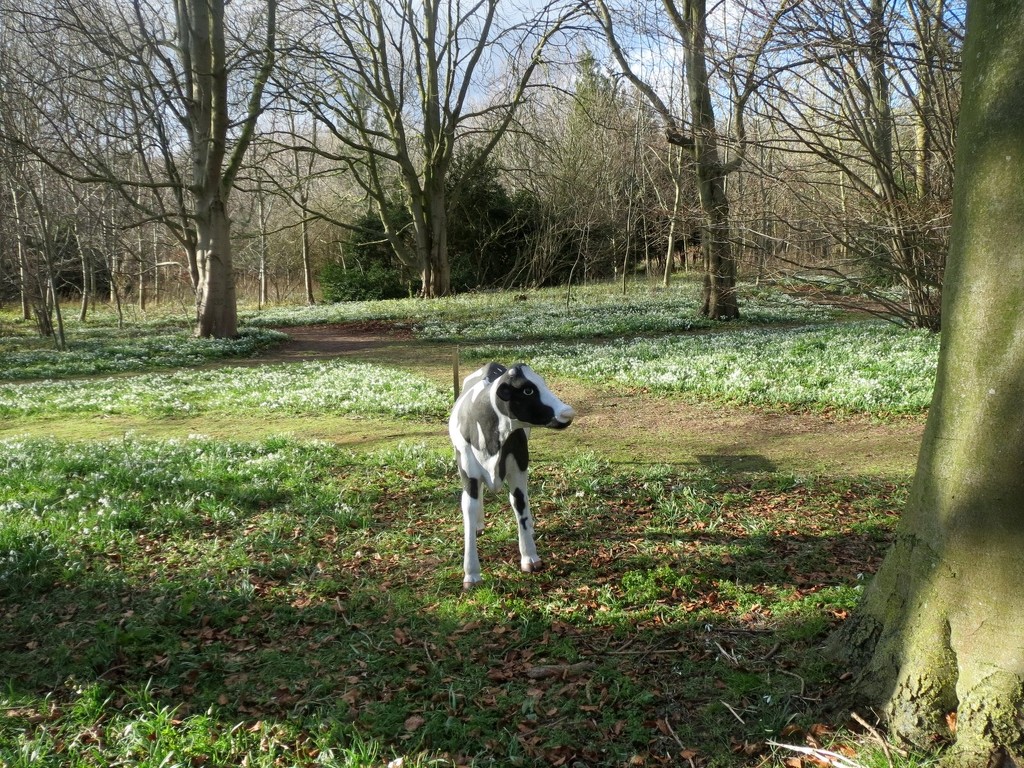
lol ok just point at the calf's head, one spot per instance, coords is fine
(521, 394)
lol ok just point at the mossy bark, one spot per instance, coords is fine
(938, 634)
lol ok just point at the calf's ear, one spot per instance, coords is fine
(504, 391)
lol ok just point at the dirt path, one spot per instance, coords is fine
(638, 428)
(310, 342)
(622, 427)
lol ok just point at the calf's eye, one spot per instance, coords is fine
(528, 391)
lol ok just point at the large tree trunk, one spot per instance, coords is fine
(430, 223)
(719, 300)
(701, 141)
(202, 26)
(938, 631)
(440, 268)
(216, 313)
(719, 293)
(202, 29)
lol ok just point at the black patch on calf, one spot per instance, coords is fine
(523, 396)
(476, 415)
(470, 485)
(519, 502)
(515, 448)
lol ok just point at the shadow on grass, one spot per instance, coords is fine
(442, 674)
(597, 660)
(320, 590)
(738, 462)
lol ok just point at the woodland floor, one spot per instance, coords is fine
(649, 649)
(623, 427)
(637, 428)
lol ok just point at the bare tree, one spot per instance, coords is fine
(46, 244)
(700, 135)
(875, 104)
(399, 84)
(291, 172)
(38, 212)
(161, 98)
(574, 152)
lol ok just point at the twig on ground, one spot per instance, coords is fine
(886, 749)
(731, 658)
(672, 732)
(821, 755)
(734, 712)
(687, 752)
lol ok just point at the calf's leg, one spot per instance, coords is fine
(472, 513)
(518, 497)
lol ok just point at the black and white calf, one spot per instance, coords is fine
(489, 427)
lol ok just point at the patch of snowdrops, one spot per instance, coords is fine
(333, 387)
(859, 367)
(118, 351)
(599, 310)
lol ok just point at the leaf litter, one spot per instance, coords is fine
(659, 634)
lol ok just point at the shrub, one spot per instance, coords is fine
(370, 284)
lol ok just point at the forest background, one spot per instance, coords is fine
(384, 149)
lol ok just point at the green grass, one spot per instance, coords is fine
(853, 367)
(598, 310)
(107, 349)
(290, 602)
(283, 601)
(311, 388)
(161, 338)
(856, 367)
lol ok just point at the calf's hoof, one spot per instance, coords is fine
(531, 566)
(469, 584)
